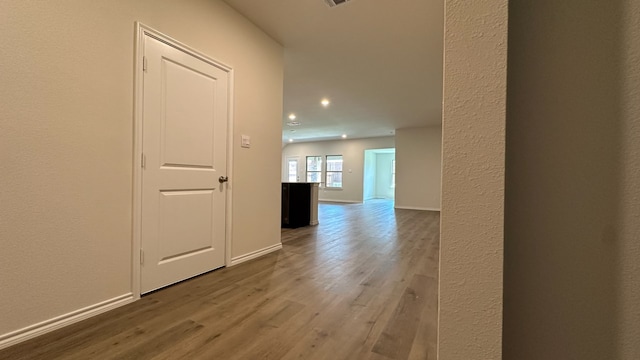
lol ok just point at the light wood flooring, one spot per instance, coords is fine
(360, 285)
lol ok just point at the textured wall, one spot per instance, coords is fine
(628, 305)
(470, 321)
(66, 143)
(572, 198)
(419, 168)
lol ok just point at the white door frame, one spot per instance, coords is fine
(142, 31)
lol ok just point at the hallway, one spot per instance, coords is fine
(360, 285)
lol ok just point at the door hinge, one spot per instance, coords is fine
(141, 257)
(144, 63)
(143, 161)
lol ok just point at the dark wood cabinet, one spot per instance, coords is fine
(298, 202)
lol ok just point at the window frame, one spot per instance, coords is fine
(307, 171)
(327, 172)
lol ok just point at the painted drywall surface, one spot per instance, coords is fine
(471, 249)
(419, 167)
(258, 113)
(573, 173)
(384, 189)
(66, 145)
(352, 151)
(369, 181)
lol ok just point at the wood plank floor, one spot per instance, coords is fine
(360, 285)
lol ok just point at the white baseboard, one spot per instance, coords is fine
(416, 208)
(255, 254)
(58, 322)
(340, 201)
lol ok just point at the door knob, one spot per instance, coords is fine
(223, 179)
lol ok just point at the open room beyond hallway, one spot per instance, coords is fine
(362, 284)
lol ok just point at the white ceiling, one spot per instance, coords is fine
(379, 62)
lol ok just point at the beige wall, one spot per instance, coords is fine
(66, 143)
(418, 168)
(470, 316)
(572, 233)
(352, 151)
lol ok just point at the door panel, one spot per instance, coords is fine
(187, 145)
(185, 118)
(185, 212)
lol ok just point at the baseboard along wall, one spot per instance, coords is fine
(58, 322)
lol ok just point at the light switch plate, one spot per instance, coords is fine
(246, 141)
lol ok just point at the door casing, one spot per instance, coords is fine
(142, 31)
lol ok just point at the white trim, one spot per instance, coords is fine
(58, 322)
(142, 31)
(340, 201)
(255, 254)
(229, 184)
(137, 161)
(416, 208)
(146, 30)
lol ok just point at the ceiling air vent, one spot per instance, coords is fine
(333, 3)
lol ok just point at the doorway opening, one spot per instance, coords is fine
(379, 180)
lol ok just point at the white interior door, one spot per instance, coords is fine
(185, 110)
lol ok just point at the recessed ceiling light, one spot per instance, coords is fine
(292, 116)
(325, 102)
(293, 123)
(290, 140)
(344, 136)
